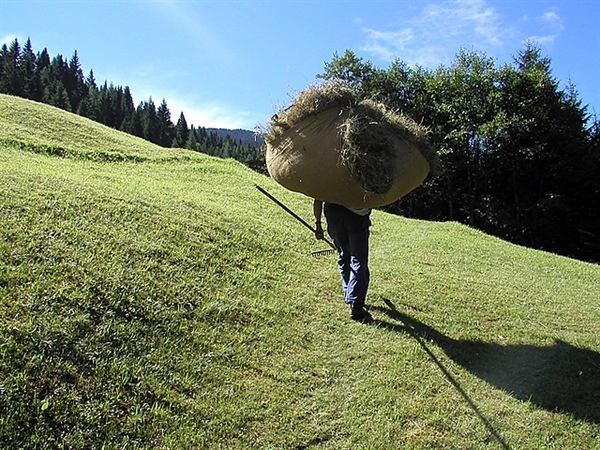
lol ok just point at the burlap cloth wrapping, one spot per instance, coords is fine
(352, 154)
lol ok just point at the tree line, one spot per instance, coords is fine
(520, 157)
(62, 84)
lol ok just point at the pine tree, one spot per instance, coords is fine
(543, 153)
(42, 61)
(90, 81)
(56, 95)
(74, 82)
(192, 141)
(126, 107)
(146, 112)
(181, 132)
(89, 105)
(132, 124)
(3, 61)
(166, 130)
(53, 81)
(32, 87)
(12, 80)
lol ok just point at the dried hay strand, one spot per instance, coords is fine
(369, 147)
(309, 102)
(369, 140)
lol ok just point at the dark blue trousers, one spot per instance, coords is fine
(350, 234)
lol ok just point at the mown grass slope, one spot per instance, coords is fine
(153, 298)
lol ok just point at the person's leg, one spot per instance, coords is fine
(344, 267)
(358, 243)
(337, 231)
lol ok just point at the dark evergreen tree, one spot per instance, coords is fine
(42, 61)
(12, 76)
(192, 141)
(126, 107)
(53, 80)
(146, 112)
(56, 95)
(90, 81)
(3, 61)
(105, 106)
(181, 132)
(132, 124)
(166, 130)
(74, 82)
(589, 232)
(32, 87)
(89, 105)
(538, 156)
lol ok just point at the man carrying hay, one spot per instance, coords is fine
(340, 150)
(349, 230)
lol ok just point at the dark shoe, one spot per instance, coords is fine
(358, 312)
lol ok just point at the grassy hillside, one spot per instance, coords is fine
(152, 298)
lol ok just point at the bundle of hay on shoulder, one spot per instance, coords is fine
(331, 147)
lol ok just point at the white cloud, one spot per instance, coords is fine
(463, 18)
(202, 35)
(438, 31)
(212, 115)
(388, 44)
(150, 82)
(552, 25)
(208, 114)
(553, 20)
(9, 39)
(200, 107)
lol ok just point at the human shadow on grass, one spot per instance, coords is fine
(558, 377)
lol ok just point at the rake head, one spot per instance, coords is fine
(327, 251)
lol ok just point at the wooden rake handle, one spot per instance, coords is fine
(293, 214)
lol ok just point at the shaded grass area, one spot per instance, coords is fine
(165, 303)
(557, 377)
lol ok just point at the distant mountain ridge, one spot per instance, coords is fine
(245, 136)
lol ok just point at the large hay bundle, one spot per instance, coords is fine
(333, 148)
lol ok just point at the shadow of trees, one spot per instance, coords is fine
(558, 377)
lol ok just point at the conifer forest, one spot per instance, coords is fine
(519, 153)
(60, 82)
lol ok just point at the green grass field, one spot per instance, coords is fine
(152, 298)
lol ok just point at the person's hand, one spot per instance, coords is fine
(318, 230)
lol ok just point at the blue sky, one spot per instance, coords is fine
(233, 63)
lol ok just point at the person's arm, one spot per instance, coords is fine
(318, 211)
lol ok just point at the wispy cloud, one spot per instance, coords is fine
(438, 31)
(200, 33)
(460, 19)
(552, 25)
(9, 39)
(212, 115)
(206, 112)
(201, 107)
(207, 53)
(388, 44)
